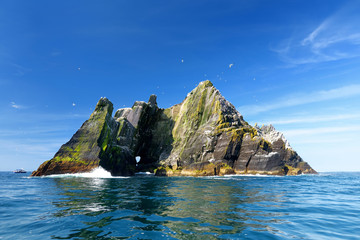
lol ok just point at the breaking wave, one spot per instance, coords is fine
(95, 173)
(144, 173)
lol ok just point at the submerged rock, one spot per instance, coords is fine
(202, 136)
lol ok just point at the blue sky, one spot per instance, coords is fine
(295, 64)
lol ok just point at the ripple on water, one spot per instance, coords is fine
(324, 206)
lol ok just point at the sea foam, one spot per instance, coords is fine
(95, 173)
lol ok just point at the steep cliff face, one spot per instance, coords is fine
(203, 135)
(82, 152)
(211, 137)
(106, 141)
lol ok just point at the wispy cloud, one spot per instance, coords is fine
(336, 38)
(326, 140)
(34, 132)
(313, 119)
(305, 98)
(321, 130)
(16, 106)
(323, 136)
(20, 70)
(55, 53)
(315, 33)
(40, 148)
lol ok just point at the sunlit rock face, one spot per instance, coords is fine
(202, 136)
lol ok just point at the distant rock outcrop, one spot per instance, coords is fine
(203, 135)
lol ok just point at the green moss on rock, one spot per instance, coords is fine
(204, 135)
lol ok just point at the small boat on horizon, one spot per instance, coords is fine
(21, 170)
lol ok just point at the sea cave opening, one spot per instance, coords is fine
(137, 158)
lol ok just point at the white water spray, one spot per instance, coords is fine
(95, 173)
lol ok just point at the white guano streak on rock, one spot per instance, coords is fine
(271, 135)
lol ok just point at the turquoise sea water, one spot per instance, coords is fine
(324, 206)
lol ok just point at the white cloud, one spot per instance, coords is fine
(28, 155)
(32, 147)
(323, 140)
(310, 39)
(33, 132)
(321, 130)
(289, 101)
(231, 65)
(327, 148)
(336, 38)
(44, 118)
(14, 105)
(312, 119)
(19, 69)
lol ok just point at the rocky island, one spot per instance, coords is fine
(202, 136)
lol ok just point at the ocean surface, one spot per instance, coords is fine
(98, 206)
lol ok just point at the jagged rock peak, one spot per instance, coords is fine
(103, 101)
(104, 104)
(203, 85)
(207, 83)
(138, 104)
(152, 100)
(227, 109)
(269, 133)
